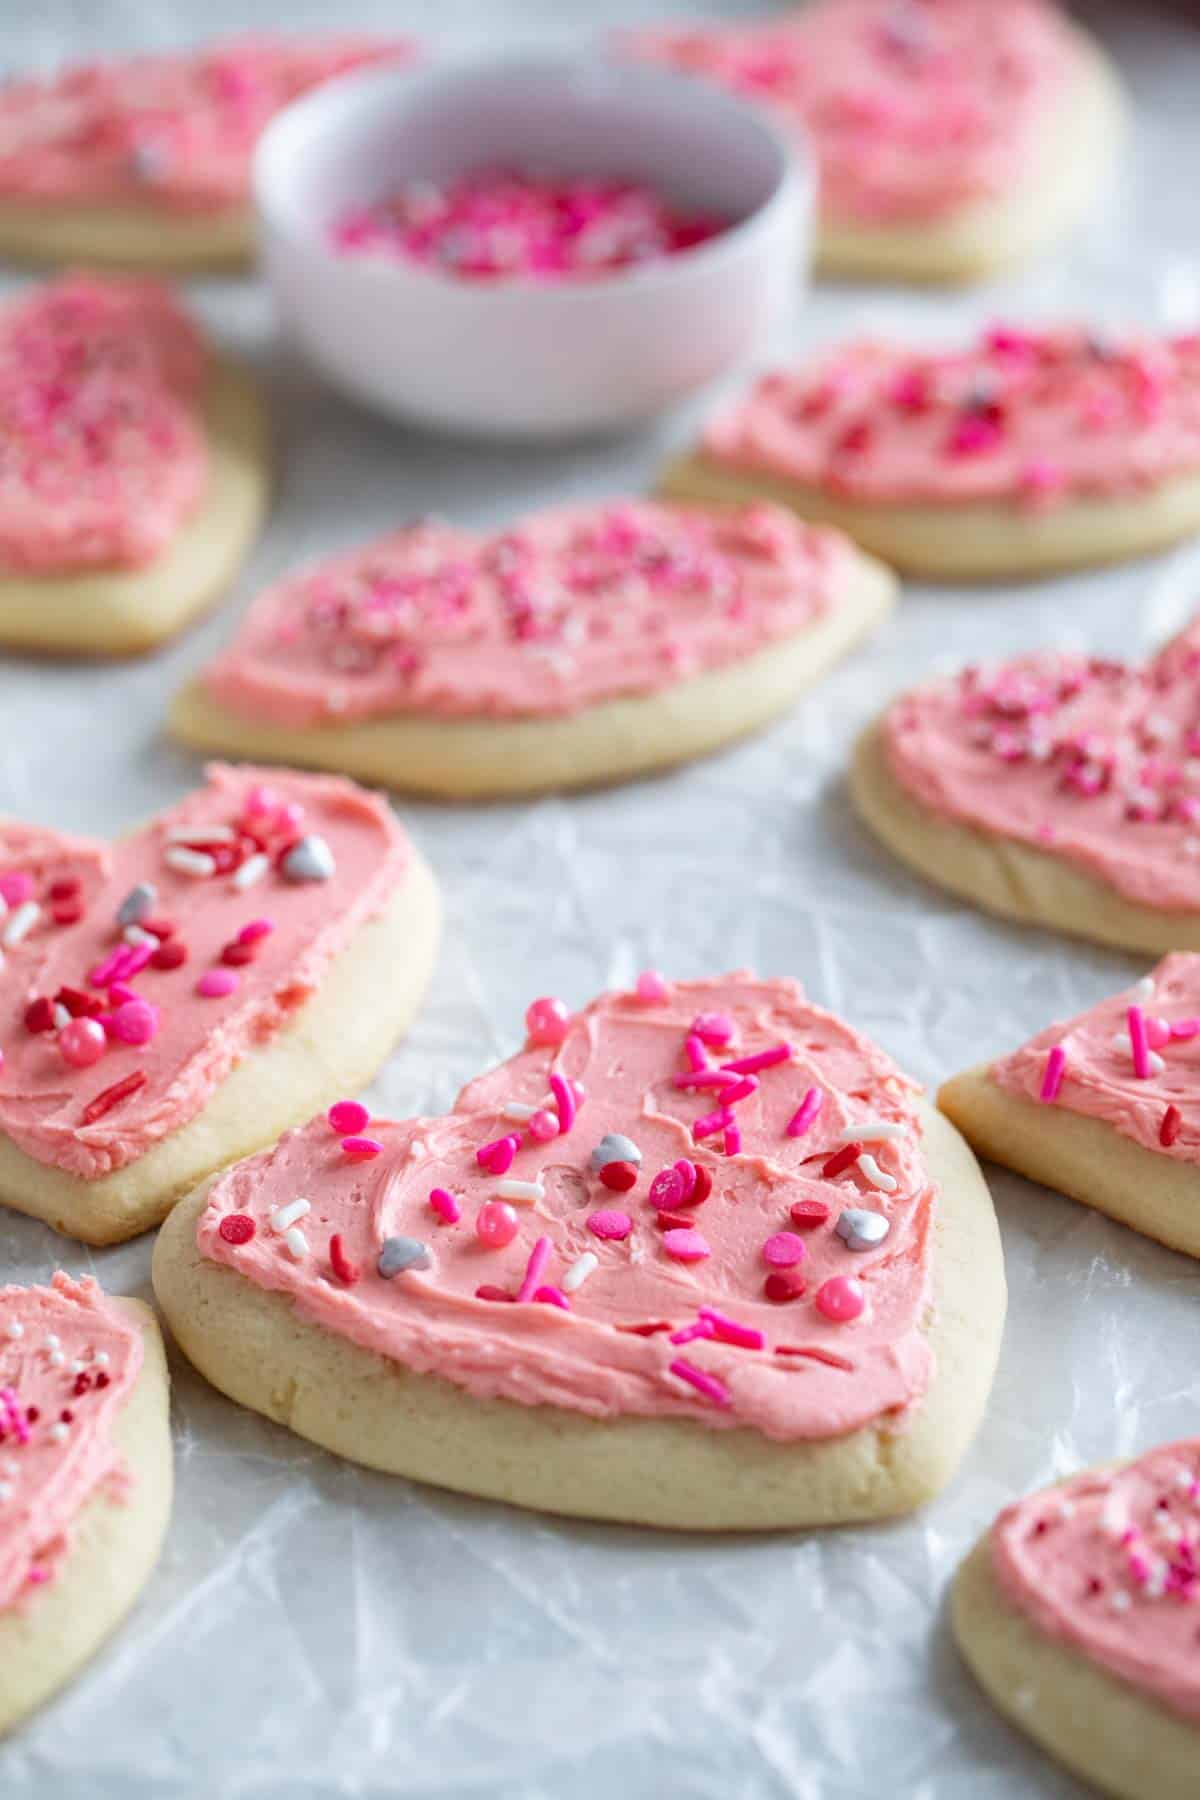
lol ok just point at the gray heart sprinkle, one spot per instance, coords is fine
(400, 1253)
(615, 1148)
(860, 1229)
(310, 859)
(138, 904)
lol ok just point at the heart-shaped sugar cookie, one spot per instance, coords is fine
(1077, 1613)
(611, 1281)
(1058, 789)
(85, 1478)
(170, 1001)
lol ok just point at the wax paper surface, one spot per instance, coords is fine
(316, 1630)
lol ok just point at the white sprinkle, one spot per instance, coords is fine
(579, 1271)
(517, 1111)
(1066, 1509)
(15, 1329)
(77, 1368)
(58, 1431)
(189, 862)
(1113, 1517)
(869, 1131)
(1119, 1600)
(416, 1150)
(1144, 989)
(133, 934)
(1155, 1062)
(101, 1359)
(512, 1189)
(875, 1175)
(1183, 1478)
(283, 1216)
(22, 922)
(51, 1341)
(297, 1243)
(62, 1015)
(252, 870)
(6, 1492)
(57, 1358)
(201, 834)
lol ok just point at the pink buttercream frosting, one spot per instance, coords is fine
(916, 108)
(570, 608)
(1157, 1109)
(219, 967)
(677, 1260)
(1029, 416)
(103, 453)
(1108, 1563)
(68, 1363)
(172, 132)
(1095, 761)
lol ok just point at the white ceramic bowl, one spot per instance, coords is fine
(523, 358)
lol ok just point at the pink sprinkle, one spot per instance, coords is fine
(1056, 1063)
(741, 1090)
(708, 1385)
(542, 1125)
(134, 1022)
(347, 1117)
(805, 1113)
(118, 993)
(747, 1337)
(705, 1078)
(361, 1146)
(686, 1172)
(609, 1223)
(1137, 1041)
(539, 1256)
(1158, 1033)
(651, 987)
(686, 1245)
(16, 887)
(667, 1189)
(693, 1049)
(13, 1415)
(257, 928)
(552, 1296)
(841, 1299)
(564, 1102)
(36, 1577)
(445, 1205)
(733, 1140)
(497, 1157)
(1183, 1029)
(214, 984)
(714, 1029)
(701, 1328)
(712, 1122)
(105, 971)
(259, 801)
(783, 1248)
(765, 1059)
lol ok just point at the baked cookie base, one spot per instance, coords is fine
(984, 239)
(333, 1046)
(154, 239)
(1084, 1158)
(1124, 1743)
(114, 1546)
(119, 612)
(255, 1346)
(474, 758)
(1002, 875)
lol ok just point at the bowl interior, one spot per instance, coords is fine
(358, 139)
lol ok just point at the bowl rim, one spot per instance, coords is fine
(793, 188)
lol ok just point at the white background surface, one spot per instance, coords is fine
(315, 1630)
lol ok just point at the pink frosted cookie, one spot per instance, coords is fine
(586, 644)
(1033, 449)
(145, 162)
(85, 1478)
(175, 999)
(952, 136)
(697, 1256)
(1104, 1107)
(1077, 1612)
(1058, 789)
(133, 475)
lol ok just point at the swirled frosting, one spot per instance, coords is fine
(174, 132)
(594, 1289)
(209, 968)
(569, 608)
(68, 1363)
(916, 109)
(1107, 1563)
(1093, 760)
(1032, 417)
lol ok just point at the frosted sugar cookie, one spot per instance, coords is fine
(1057, 789)
(1077, 1614)
(587, 644)
(1105, 1107)
(85, 1478)
(134, 474)
(175, 999)
(698, 1256)
(144, 162)
(1032, 450)
(952, 138)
